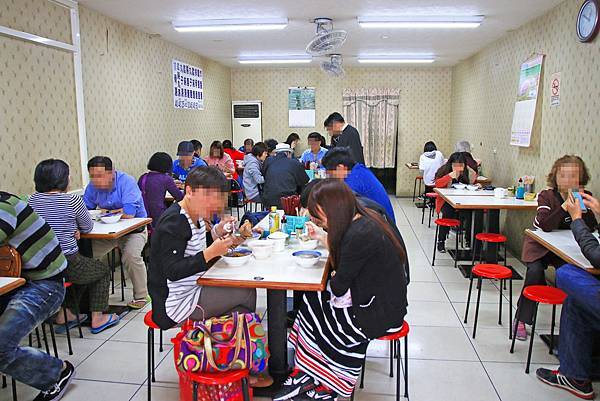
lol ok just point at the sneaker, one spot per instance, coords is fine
(320, 393)
(581, 389)
(297, 383)
(57, 390)
(441, 246)
(521, 330)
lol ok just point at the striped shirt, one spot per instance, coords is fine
(32, 237)
(185, 293)
(65, 213)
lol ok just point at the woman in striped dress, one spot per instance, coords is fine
(365, 296)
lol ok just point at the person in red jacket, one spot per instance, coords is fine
(569, 172)
(454, 171)
(235, 155)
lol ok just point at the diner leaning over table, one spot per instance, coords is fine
(67, 215)
(567, 173)
(311, 158)
(580, 314)
(365, 296)
(455, 171)
(217, 157)
(113, 190)
(186, 160)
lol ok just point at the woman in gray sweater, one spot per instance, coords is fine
(252, 171)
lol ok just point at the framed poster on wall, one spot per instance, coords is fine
(527, 95)
(301, 107)
(188, 86)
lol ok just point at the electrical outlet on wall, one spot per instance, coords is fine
(494, 151)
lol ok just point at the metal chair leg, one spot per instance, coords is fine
(53, 338)
(532, 338)
(67, 331)
(437, 229)
(149, 367)
(45, 339)
(479, 280)
(398, 370)
(160, 347)
(406, 367)
(500, 303)
(510, 308)
(552, 330)
(392, 350)
(469, 297)
(362, 373)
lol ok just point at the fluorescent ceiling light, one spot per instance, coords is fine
(220, 25)
(394, 60)
(424, 21)
(275, 60)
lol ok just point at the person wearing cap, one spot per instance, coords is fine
(186, 161)
(284, 176)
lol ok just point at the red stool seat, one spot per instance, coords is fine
(490, 237)
(431, 195)
(149, 322)
(214, 379)
(67, 284)
(447, 222)
(492, 271)
(545, 294)
(403, 332)
(419, 177)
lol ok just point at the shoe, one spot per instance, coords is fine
(297, 383)
(521, 330)
(581, 389)
(320, 393)
(138, 303)
(441, 246)
(57, 390)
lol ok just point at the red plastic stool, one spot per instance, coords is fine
(151, 367)
(487, 238)
(445, 223)
(222, 378)
(490, 272)
(540, 294)
(420, 179)
(394, 340)
(430, 198)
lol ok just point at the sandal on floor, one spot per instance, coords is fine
(114, 319)
(138, 303)
(260, 381)
(59, 328)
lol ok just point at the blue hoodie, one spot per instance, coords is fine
(362, 181)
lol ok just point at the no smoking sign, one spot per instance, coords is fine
(555, 89)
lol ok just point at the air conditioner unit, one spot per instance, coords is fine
(247, 121)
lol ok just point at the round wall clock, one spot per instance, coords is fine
(587, 21)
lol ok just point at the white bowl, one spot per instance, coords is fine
(278, 240)
(261, 249)
(111, 219)
(236, 261)
(459, 186)
(472, 187)
(308, 245)
(307, 258)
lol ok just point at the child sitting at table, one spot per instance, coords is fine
(568, 172)
(454, 171)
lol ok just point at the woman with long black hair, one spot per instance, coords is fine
(365, 296)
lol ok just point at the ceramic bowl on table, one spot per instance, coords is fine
(308, 244)
(459, 186)
(306, 258)
(278, 239)
(238, 257)
(95, 214)
(473, 187)
(261, 249)
(110, 218)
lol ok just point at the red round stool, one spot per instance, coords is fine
(430, 198)
(221, 378)
(445, 223)
(490, 272)
(149, 322)
(394, 339)
(488, 238)
(420, 179)
(540, 294)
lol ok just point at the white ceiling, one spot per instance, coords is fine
(450, 46)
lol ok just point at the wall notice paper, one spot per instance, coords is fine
(524, 115)
(187, 86)
(301, 107)
(555, 90)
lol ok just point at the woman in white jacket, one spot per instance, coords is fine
(252, 171)
(429, 162)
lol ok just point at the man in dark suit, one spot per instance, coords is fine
(344, 135)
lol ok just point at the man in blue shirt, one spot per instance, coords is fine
(116, 191)
(315, 153)
(186, 161)
(340, 164)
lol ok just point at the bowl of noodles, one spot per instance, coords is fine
(237, 257)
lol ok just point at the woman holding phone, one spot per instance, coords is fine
(569, 173)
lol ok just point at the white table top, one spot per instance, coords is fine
(462, 192)
(563, 244)
(8, 284)
(116, 230)
(488, 202)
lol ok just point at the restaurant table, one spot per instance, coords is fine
(276, 274)
(493, 205)
(7, 284)
(462, 192)
(412, 166)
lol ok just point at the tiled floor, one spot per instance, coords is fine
(445, 362)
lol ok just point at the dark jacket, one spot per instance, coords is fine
(590, 247)
(351, 138)
(167, 261)
(283, 177)
(371, 268)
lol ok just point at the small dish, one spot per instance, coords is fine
(306, 258)
(278, 239)
(110, 218)
(238, 257)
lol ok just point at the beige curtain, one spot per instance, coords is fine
(374, 113)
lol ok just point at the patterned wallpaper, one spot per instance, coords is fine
(37, 97)
(128, 94)
(425, 103)
(484, 92)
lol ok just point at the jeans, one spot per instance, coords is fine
(579, 321)
(21, 311)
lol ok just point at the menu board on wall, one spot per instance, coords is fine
(527, 95)
(187, 86)
(301, 107)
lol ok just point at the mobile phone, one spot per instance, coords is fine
(578, 197)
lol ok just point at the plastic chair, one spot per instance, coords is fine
(445, 223)
(540, 294)
(394, 340)
(420, 179)
(151, 366)
(490, 272)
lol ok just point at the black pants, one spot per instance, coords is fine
(535, 275)
(448, 212)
